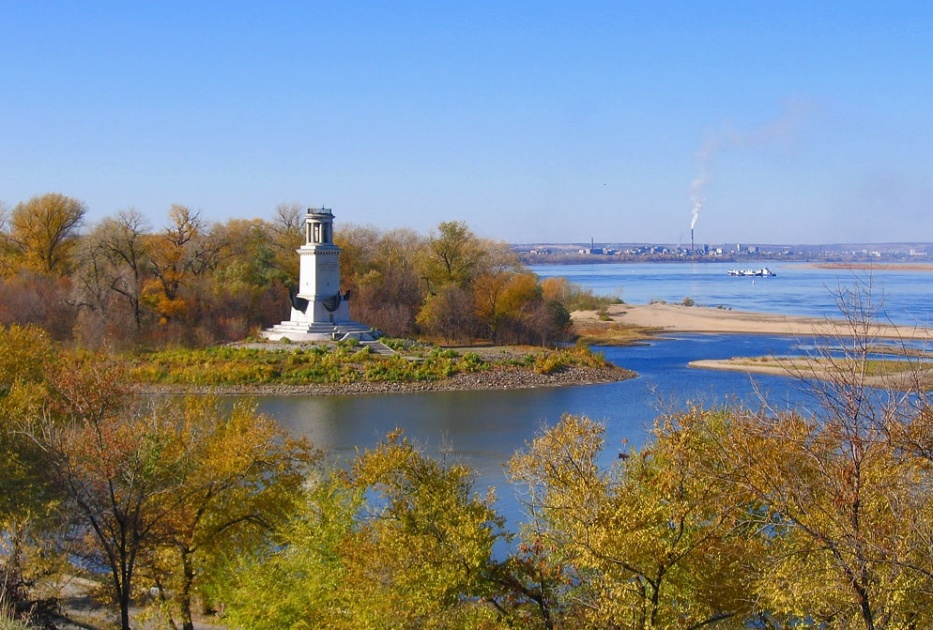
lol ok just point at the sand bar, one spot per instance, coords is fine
(678, 318)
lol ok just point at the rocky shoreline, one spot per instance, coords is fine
(504, 378)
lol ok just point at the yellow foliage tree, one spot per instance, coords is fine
(44, 232)
(399, 541)
(238, 476)
(645, 543)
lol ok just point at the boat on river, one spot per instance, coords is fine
(753, 273)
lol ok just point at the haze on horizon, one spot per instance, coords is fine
(793, 122)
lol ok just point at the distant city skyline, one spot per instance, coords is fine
(549, 122)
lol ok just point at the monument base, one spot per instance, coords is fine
(318, 331)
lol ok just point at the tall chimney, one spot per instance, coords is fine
(692, 247)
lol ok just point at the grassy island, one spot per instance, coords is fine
(348, 367)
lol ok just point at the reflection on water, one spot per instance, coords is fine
(484, 429)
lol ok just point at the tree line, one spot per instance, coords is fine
(123, 283)
(728, 517)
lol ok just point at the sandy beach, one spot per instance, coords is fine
(676, 318)
(679, 318)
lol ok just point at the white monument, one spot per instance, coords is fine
(319, 311)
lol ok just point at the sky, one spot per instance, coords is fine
(534, 122)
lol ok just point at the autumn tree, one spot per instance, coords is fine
(504, 301)
(382, 276)
(449, 314)
(287, 236)
(238, 478)
(44, 232)
(122, 242)
(27, 499)
(643, 543)
(178, 255)
(6, 243)
(161, 489)
(572, 296)
(844, 490)
(106, 466)
(32, 298)
(359, 245)
(36, 256)
(399, 540)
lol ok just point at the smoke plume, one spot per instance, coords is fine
(779, 131)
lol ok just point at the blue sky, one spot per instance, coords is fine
(798, 122)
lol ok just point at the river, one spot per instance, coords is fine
(484, 429)
(900, 295)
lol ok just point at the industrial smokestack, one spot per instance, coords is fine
(692, 247)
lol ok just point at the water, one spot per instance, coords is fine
(904, 295)
(484, 429)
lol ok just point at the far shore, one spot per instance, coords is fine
(874, 266)
(677, 318)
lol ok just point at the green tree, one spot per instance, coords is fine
(247, 278)
(452, 256)
(299, 580)
(425, 548)
(44, 232)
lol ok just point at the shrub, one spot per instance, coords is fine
(472, 362)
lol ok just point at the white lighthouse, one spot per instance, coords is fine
(319, 310)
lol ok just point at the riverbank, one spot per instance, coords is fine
(677, 318)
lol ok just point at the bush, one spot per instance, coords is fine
(472, 362)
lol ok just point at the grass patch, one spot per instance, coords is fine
(334, 364)
(870, 367)
(613, 334)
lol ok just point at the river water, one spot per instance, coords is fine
(902, 295)
(484, 429)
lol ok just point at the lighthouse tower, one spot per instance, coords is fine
(319, 311)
